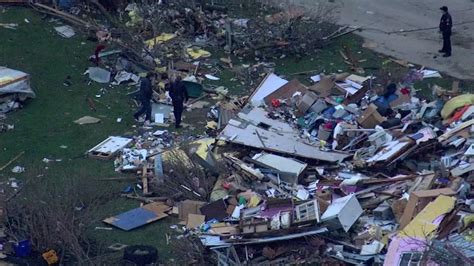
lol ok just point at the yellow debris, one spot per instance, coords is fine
(135, 18)
(254, 200)
(202, 149)
(160, 69)
(211, 125)
(455, 103)
(196, 53)
(164, 37)
(422, 225)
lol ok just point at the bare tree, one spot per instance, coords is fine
(57, 216)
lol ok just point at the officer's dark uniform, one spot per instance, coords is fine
(144, 96)
(179, 95)
(445, 25)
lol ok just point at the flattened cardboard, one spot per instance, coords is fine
(324, 86)
(194, 220)
(402, 99)
(371, 117)
(308, 99)
(189, 206)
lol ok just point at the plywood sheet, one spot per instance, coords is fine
(134, 218)
(280, 163)
(277, 141)
(270, 84)
(286, 91)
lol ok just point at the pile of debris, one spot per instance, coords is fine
(155, 35)
(14, 91)
(348, 170)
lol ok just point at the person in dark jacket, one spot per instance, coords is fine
(179, 95)
(445, 26)
(144, 96)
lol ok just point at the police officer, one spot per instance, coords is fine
(179, 95)
(445, 25)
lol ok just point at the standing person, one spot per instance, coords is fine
(179, 95)
(145, 95)
(445, 26)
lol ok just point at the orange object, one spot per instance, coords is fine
(457, 115)
(50, 257)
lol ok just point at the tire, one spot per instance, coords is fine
(140, 254)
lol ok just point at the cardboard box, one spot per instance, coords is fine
(402, 99)
(194, 220)
(189, 207)
(309, 98)
(319, 106)
(370, 118)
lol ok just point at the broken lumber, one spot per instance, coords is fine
(12, 160)
(68, 17)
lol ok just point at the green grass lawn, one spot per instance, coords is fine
(45, 123)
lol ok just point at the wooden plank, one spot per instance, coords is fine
(8, 82)
(11, 161)
(64, 15)
(145, 178)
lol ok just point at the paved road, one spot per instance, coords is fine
(378, 17)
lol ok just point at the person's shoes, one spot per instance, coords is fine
(441, 51)
(177, 126)
(147, 123)
(446, 55)
(138, 119)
